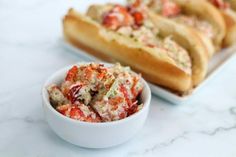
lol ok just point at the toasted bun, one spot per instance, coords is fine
(84, 33)
(230, 20)
(206, 11)
(230, 38)
(207, 43)
(187, 39)
(232, 4)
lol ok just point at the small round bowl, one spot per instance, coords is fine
(93, 135)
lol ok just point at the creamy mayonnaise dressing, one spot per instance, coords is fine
(94, 93)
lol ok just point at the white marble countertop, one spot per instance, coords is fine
(30, 52)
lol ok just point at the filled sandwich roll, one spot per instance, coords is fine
(197, 14)
(226, 9)
(131, 35)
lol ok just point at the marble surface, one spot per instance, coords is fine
(30, 51)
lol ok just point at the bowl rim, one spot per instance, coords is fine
(47, 103)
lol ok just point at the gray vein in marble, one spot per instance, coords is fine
(217, 130)
(232, 112)
(168, 143)
(160, 145)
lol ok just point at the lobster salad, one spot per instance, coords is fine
(132, 21)
(171, 9)
(95, 93)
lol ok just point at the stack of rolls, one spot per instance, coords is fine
(170, 42)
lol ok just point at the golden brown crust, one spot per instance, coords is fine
(207, 43)
(84, 33)
(232, 4)
(230, 21)
(187, 39)
(230, 38)
(206, 11)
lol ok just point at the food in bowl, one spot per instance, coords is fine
(89, 134)
(95, 93)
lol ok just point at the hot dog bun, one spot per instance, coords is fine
(206, 11)
(85, 33)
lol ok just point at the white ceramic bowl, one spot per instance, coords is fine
(93, 135)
